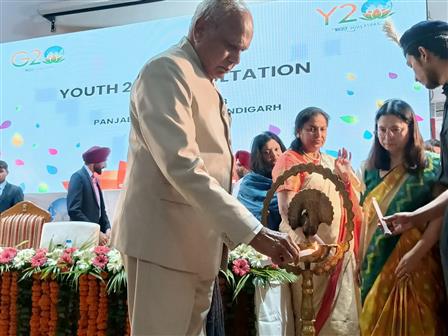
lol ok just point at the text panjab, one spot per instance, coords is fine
(111, 121)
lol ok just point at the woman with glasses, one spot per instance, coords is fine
(335, 295)
(401, 279)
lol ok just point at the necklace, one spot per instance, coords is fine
(315, 159)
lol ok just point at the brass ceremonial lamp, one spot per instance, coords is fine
(308, 209)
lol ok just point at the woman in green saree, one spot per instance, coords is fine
(401, 279)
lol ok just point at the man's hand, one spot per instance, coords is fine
(401, 222)
(104, 237)
(277, 245)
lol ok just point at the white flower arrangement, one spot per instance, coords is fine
(255, 258)
(66, 262)
(22, 258)
(115, 261)
(245, 264)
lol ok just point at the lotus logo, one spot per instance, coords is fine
(53, 54)
(376, 9)
(349, 12)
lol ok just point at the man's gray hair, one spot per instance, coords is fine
(214, 10)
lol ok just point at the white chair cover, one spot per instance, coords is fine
(79, 233)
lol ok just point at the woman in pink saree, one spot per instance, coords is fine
(336, 298)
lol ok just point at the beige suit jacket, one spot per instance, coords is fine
(175, 209)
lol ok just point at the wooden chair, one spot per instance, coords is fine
(22, 222)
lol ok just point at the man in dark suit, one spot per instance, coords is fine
(85, 201)
(10, 194)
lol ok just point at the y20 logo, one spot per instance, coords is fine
(54, 54)
(370, 10)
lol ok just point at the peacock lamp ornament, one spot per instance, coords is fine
(309, 209)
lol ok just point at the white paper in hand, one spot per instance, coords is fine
(386, 230)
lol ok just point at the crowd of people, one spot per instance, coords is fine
(385, 284)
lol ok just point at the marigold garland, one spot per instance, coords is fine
(93, 305)
(43, 317)
(13, 291)
(36, 291)
(39, 296)
(44, 305)
(4, 304)
(103, 307)
(54, 293)
(83, 305)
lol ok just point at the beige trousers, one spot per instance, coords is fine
(163, 301)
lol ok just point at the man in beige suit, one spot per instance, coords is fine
(175, 211)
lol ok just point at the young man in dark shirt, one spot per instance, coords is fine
(425, 46)
(10, 194)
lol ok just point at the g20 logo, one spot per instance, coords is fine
(370, 10)
(52, 55)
